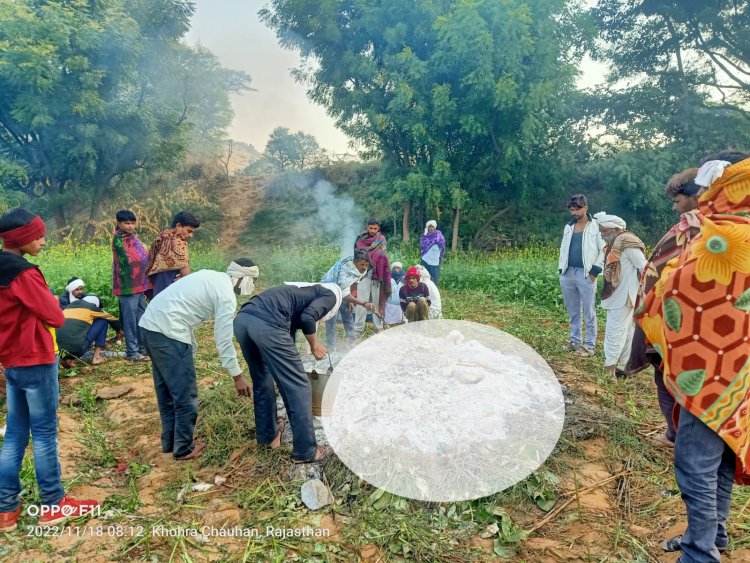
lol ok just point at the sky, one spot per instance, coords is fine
(232, 31)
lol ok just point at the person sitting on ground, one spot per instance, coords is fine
(683, 191)
(168, 257)
(696, 317)
(432, 249)
(74, 291)
(29, 314)
(85, 324)
(414, 297)
(265, 328)
(168, 335)
(345, 273)
(393, 313)
(624, 260)
(436, 303)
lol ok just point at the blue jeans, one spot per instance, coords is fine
(162, 281)
(704, 466)
(176, 391)
(347, 319)
(131, 309)
(33, 395)
(434, 271)
(579, 296)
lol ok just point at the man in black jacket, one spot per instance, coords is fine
(265, 329)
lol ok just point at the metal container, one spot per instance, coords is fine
(318, 383)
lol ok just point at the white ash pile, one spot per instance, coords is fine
(443, 410)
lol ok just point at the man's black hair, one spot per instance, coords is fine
(17, 217)
(124, 215)
(373, 221)
(577, 201)
(244, 262)
(730, 155)
(186, 219)
(72, 279)
(361, 254)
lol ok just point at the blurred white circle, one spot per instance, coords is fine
(443, 410)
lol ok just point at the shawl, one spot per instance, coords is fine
(426, 242)
(344, 273)
(624, 240)
(381, 270)
(129, 264)
(697, 315)
(169, 252)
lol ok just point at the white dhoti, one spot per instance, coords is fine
(618, 336)
(368, 289)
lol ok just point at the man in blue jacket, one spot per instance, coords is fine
(581, 261)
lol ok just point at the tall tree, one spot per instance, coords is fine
(92, 90)
(293, 151)
(458, 97)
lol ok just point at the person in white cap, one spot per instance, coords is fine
(265, 329)
(625, 258)
(168, 325)
(74, 291)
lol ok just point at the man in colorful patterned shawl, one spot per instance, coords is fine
(168, 257)
(376, 286)
(698, 318)
(683, 191)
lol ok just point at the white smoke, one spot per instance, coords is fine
(339, 216)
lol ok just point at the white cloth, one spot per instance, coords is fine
(334, 288)
(432, 256)
(346, 276)
(248, 275)
(632, 262)
(393, 313)
(711, 171)
(180, 308)
(93, 299)
(618, 336)
(72, 286)
(395, 264)
(593, 248)
(609, 221)
(436, 303)
(368, 289)
(427, 226)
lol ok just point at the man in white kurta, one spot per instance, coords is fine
(624, 262)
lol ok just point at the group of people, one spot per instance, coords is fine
(370, 284)
(683, 310)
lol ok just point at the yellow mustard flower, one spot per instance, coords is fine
(722, 250)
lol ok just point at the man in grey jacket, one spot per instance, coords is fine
(581, 261)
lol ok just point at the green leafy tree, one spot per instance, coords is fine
(293, 151)
(90, 91)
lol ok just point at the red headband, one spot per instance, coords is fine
(20, 236)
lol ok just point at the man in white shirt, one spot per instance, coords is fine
(625, 259)
(168, 325)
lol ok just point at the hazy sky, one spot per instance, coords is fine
(232, 31)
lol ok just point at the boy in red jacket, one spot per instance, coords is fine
(29, 314)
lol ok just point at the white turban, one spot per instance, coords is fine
(248, 275)
(72, 286)
(329, 286)
(609, 221)
(399, 264)
(424, 274)
(430, 222)
(711, 171)
(93, 299)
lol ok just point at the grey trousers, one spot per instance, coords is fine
(579, 296)
(271, 355)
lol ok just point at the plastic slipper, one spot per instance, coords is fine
(321, 454)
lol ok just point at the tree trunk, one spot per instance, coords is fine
(488, 222)
(405, 221)
(456, 222)
(95, 215)
(59, 214)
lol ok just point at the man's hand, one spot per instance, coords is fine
(592, 277)
(370, 307)
(319, 351)
(243, 389)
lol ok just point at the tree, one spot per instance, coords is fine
(90, 91)
(459, 98)
(298, 151)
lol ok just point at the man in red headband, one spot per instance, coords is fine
(29, 314)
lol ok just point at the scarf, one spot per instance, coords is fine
(696, 315)
(376, 246)
(344, 274)
(11, 266)
(428, 239)
(624, 240)
(247, 275)
(398, 277)
(129, 264)
(20, 236)
(169, 252)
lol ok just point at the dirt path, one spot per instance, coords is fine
(240, 200)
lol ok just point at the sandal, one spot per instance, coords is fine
(322, 453)
(674, 544)
(138, 358)
(279, 435)
(583, 352)
(197, 450)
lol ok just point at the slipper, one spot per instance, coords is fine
(138, 358)
(662, 441)
(279, 434)
(197, 450)
(674, 544)
(322, 453)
